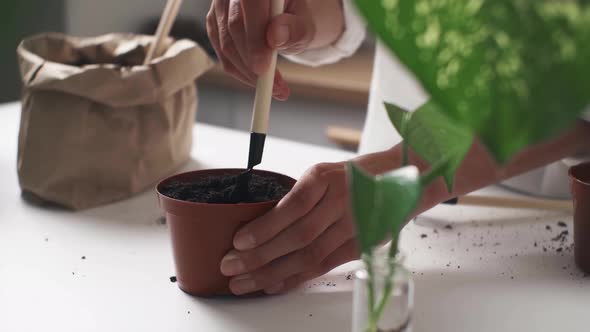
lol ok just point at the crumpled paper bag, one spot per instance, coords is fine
(97, 126)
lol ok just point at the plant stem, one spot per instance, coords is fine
(433, 173)
(376, 310)
(370, 285)
(404, 153)
(388, 280)
(368, 260)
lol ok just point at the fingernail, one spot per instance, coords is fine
(281, 35)
(232, 265)
(244, 241)
(243, 284)
(274, 289)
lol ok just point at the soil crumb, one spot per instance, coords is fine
(562, 237)
(219, 190)
(173, 279)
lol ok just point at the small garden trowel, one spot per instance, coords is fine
(260, 116)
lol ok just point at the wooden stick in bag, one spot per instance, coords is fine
(164, 27)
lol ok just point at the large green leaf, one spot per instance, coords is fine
(433, 136)
(381, 205)
(515, 71)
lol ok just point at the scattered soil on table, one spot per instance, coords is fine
(173, 279)
(449, 227)
(562, 237)
(83, 257)
(323, 284)
(548, 227)
(423, 236)
(220, 189)
(562, 224)
(161, 221)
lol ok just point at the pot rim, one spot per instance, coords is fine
(575, 178)
(197, 204)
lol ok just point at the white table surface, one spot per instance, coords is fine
(504, 282)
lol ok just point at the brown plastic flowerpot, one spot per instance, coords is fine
(580, 185)
(203, 233)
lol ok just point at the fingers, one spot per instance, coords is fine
(230, 28)
(256, 18)
(227, 31)
(346, 253)
(213, 32)
(306, 194)
(296, 263)
(290, 34)
(308, 232)
(301, 235)
(281, 90)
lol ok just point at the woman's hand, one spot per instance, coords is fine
(309, 233)
(244, 35)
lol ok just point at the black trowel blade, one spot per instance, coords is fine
(256, 149)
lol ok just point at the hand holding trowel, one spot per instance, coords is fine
(260, 115)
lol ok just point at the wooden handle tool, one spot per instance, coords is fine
(262, 101)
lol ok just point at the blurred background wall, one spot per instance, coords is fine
(20, 18)
(94, 17)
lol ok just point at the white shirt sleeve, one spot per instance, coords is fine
(350, 41)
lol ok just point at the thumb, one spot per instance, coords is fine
(290, 33)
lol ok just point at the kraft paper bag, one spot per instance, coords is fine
(97, 126)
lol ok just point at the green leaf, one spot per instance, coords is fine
(514, 71)
(381, 205)
(433, 136)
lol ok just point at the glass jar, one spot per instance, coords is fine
(390, 312)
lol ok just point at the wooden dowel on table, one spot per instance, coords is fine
(164, 27)
(516, 203)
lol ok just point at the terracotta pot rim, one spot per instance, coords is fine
(196, 204)
(574, 177)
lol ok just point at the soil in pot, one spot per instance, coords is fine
(220, 190)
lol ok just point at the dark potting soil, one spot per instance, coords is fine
(220, 190)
